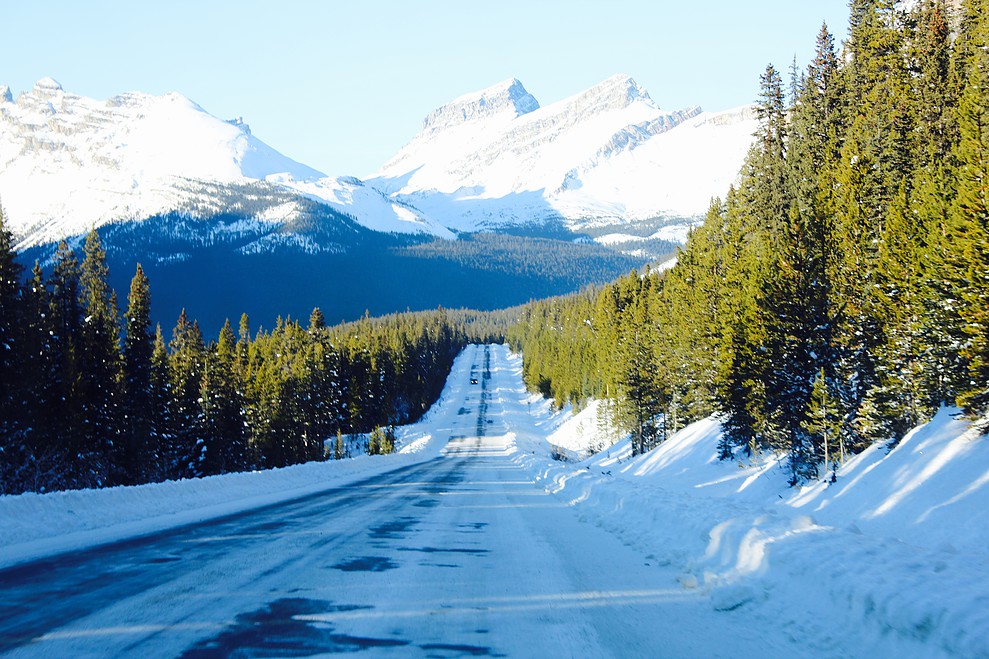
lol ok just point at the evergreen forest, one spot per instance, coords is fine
(92, 399)
(839, 293)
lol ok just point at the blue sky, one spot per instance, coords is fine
(341, 86)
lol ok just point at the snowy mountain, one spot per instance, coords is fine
(68, 163)
(608, 155)
(597, 184)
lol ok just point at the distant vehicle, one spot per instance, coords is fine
(473, 380)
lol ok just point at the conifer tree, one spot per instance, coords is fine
(136, 458)
(823, 423)
(13, 430)
(970, 213)
(161, 442)
(10, 322)
(223, 408)
(99, 356)
(36, 377)
(66, 314)
(186, 450)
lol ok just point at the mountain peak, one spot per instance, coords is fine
(5, 95)
(47, 86)
(614, 93)
(508, 96)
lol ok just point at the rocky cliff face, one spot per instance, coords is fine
(509, 96)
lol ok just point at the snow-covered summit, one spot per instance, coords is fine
(614, 93)
(606, 154)
(488, 159)
(508, 96)
(68, 163)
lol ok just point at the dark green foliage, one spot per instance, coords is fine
(185, 452)
(970, 213)
(151, 411)
(841, 291)
(136, 407)
(11, 356)
(98, 359)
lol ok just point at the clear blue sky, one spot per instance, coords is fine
(341, 86)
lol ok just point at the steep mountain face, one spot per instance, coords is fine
(606, 156)
(607, 161)
(68, 163)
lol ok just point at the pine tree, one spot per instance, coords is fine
(970, 213)
(376, 442)
(223, 408)
(136, 458)
(186, 451)
(66, 409)
(317, 321)
(769, 196)
(12, 360)
(794, 302)
(99, 356)
(162, 441)
(338, 450)
(37, 378)
(10, 320)
(823, 425)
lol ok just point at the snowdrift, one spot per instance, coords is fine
(894, 551)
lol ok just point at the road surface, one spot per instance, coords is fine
(462, 555)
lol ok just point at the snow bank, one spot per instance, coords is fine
(37, 525)
(892, 556)
(894, 552)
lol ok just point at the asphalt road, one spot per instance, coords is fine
(459, 556)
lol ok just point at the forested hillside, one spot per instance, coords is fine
(90, 399)
(840, 293)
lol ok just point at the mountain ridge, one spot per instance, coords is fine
(224, 224)
(564, 161)
(487, 160)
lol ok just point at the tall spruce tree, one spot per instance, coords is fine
(162, 441)
(223, 408)
(10, 323)
(99, 356)
(66, 409)
(136, 457)
(186, 449)
(970, 212)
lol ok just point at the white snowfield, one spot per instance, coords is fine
(493, 158)
(889, 561)
(68, 162)
(606, 155)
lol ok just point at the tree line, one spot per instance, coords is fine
(839, 293)
(90, 398)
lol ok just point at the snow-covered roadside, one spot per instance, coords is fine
(38, 525)
(893, 553)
